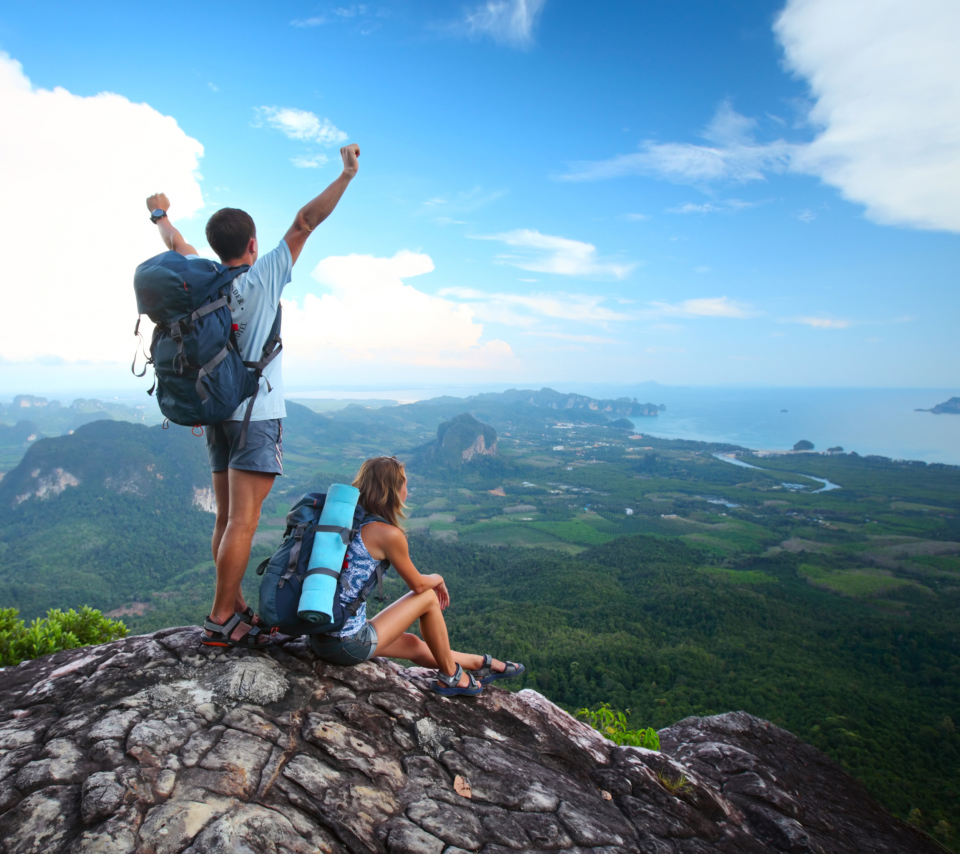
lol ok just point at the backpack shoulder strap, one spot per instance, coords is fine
(271, 349)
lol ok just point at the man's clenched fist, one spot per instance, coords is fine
(158, 200)
(350, 154)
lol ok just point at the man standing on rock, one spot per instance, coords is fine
(243, 473)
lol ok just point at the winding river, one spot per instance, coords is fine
(827, 485)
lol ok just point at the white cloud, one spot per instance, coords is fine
(885, 76)
(509, 22)
(301, 125)
(408, 326)
(69, 280)
(734, 155)
(547, 253)
(702, 307)
(528, 309)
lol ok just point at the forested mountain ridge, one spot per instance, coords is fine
(103, 515)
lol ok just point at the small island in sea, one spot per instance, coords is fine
(949, 407)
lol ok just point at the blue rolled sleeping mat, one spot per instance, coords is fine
(326, 558)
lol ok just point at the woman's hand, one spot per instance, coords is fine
(442, 594)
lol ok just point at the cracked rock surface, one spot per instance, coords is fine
(152, 744)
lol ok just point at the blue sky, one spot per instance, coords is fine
(692, 193)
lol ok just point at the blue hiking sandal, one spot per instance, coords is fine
(486, 674)
(447, 686)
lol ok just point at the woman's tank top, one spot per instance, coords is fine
(360, 566)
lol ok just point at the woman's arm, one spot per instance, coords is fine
(387, 542)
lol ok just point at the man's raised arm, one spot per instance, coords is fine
(171, 238)
(316, 211)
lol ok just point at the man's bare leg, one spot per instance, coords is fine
(246, 491)
(221, 491)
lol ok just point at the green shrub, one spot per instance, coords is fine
(613, 725)
(58, 630)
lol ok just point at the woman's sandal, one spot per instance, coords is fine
(449, 685)
(220, 634)
(486, 674)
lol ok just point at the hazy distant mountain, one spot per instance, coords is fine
(549, 399)
(507, 410)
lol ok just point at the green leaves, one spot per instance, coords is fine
(59, 630)
(612, 724)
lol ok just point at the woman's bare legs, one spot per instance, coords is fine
(394, 641)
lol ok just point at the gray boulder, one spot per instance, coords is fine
(154, 745)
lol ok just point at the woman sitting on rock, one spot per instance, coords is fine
(383, 490)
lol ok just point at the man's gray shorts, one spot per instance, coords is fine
(263, 451)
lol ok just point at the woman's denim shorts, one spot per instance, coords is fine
(347, 651)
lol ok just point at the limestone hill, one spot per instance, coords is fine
(461, 442)
(152, 745)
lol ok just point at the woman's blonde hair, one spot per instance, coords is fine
(379, 481)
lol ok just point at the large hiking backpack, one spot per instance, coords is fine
(284, 573)
(200, 376)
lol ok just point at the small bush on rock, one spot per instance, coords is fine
(58, 630)
(613, 725)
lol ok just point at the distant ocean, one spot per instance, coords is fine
(868, 421)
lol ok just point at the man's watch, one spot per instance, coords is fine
(157, 215)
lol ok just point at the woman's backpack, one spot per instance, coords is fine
(200, 375)
(284, 573)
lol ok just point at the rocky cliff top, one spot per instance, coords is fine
(153, 745)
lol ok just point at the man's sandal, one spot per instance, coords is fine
(249, 616)
(486, 674)
(449, 685)
(220, 634)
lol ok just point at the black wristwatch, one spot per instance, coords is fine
(157, 215)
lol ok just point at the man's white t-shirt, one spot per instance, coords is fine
(254, 299)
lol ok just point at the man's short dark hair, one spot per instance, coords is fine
(229, 231)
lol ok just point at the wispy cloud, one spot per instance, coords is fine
(733, 155)
(528, 309)
(464, 201)
(509, 22)
(578, 339)
(547, 253)
(315, 21)
(821, 322)
(301, 125)
(702, 307)
(312, 162)
(361, 12)
(726, 206)
(827, 322)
